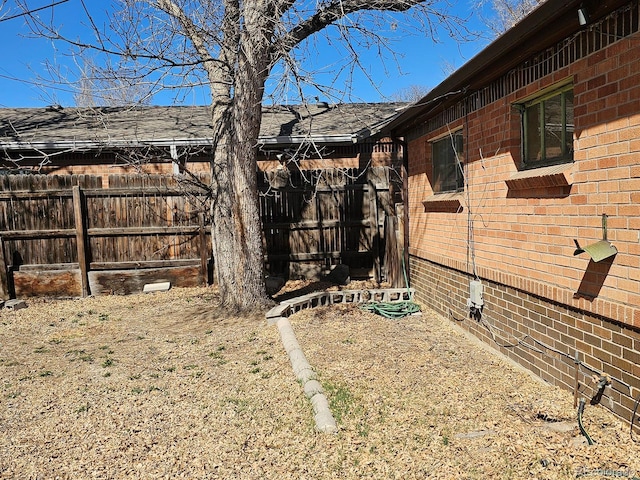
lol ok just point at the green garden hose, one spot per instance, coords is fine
(392, 309)
(582, 430)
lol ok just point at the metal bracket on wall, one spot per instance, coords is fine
(600, 250)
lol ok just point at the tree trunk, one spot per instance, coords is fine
(236, 225)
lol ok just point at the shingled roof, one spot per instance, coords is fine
(56, 127)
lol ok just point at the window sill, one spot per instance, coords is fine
(444, 203)
(545, 177)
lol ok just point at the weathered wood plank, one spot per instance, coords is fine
(38, 234)
(47, 283)
(124, 282)
(27, 194)
(52, 266)
(139, 191)
(301, 257)
(140, 231)
(100, 232)
(313, 224)
(81, 241)
(142, 264)
(4, 280)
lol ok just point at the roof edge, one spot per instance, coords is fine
(558, 19)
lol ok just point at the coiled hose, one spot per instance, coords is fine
(394, 310)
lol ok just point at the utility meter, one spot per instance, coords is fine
(475, 302)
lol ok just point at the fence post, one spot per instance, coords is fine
(4, 280)
(81, 229)
(391, 257)
(404, 173)
(374, 221)
(402, 267)
(204, 254)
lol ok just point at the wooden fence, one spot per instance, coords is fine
(317, 219)
(68, 236)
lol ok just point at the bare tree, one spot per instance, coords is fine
(410, 93)
(233, 47)
(506, 13)
(99, 87)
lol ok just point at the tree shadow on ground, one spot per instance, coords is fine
(303, 289)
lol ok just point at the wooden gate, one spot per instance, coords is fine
(317, 219)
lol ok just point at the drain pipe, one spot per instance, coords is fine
(305, 374)
(576, 385)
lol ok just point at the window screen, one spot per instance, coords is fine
(548, 129)
(447, 163)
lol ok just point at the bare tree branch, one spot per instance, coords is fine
(506, 13)
(233, 47)
(29, 12)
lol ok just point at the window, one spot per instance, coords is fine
(446, 155)
(548, 128)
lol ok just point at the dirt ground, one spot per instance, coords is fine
(166, 385)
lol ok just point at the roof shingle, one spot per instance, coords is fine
(51, 127)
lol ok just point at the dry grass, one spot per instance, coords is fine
(168, 386)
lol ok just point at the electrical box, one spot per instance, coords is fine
(475, 294)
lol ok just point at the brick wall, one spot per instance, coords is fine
(515, 229)
(106, 164)
(541, 335)
(527, 228)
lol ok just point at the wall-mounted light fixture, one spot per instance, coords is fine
(600, 250)
(583, 16)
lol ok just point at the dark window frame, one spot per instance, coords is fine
(535, 115)
(447, 162)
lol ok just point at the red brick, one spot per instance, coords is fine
(524, 239)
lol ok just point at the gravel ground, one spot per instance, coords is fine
(167, 385)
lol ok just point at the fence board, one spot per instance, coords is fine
(4, 281)
(81, 240)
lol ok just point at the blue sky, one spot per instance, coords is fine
(25, 59)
